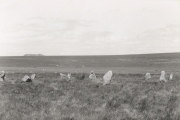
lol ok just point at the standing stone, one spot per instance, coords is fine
(147, 76)
(69, 76)
(171, 76)
(107, 77)
(26, 78)
(33, 76)
(2, 76)
(63, 76)
(92, 76)
(162, 77)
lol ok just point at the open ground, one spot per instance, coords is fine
(128, 97)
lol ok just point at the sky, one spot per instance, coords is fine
(89, 27)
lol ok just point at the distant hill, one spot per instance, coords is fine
(33, 55)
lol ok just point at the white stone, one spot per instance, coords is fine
(162, 77)
(2, 75)
(26, 78)
(171, 76)
(65, 77)
(147, 76)
(92, 76)
(69, 76)
(33, 76)
(107, 77)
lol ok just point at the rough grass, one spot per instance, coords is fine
(128, 97)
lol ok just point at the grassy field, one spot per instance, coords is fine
(153, 63)
(128, 97)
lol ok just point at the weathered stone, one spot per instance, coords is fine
(171, 76)
(162, 77)
(69, 76)
(33, 76)
(147, 76)
(2, 75)
(26, 78)
(107, 77)
(92, 76)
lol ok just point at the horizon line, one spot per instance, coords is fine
(89, 55)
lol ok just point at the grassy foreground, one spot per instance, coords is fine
(128, 97)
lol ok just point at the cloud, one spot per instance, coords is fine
(165, 39)
(88, 27)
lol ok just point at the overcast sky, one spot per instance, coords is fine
(89, 27)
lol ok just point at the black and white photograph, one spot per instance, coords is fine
(89, 59)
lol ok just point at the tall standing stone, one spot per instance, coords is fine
(163, 76)
(107, 77)
(33, 76)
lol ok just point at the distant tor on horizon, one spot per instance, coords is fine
(33, 55)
